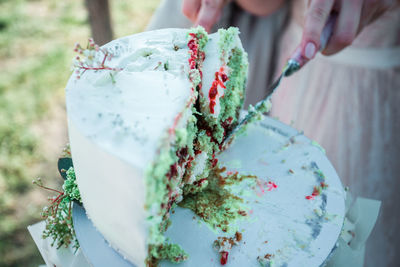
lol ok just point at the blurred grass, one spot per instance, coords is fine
(36, 41)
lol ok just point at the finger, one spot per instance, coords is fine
(347, 26)
(373, 10)
(190, 8)
(316, 18)
(209, 13)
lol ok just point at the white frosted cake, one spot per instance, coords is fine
(146, 115)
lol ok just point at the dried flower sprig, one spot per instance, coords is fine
(58, 215)
(93, 57)
(66, 152)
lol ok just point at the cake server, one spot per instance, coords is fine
(295, 63)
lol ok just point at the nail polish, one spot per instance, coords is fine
(309, 50)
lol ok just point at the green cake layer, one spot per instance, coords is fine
(233, 64)
(171, 178)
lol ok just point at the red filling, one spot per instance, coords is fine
(226, 124)
(195, 54)
(200, 182)
(182, 154)
(224, 77)
(214, 161)
(224, 257)
(213, 92)
(189, 162)
(195, 57)
(220, 78)
(173, 171)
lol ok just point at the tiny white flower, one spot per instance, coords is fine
(76, 63)
(90, 56)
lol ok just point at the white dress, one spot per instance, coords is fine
(350, 104)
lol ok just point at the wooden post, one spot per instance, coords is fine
(100, 21)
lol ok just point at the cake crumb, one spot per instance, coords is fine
(224, 244)
(266, 260)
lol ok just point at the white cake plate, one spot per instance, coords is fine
(294, 230)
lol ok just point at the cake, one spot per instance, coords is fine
(151, 181)
(147, 114)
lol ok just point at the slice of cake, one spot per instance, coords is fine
(147, 114)
(222, 91)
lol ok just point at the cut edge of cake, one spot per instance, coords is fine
(164, 178)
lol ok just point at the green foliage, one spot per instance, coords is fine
(70, 186)
(59, 224)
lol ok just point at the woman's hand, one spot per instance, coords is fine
(203, 12)
(353, 16)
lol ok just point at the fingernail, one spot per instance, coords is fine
(309, 51)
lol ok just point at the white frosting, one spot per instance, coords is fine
(200, 164)
(116, 211)
(133, 113)
(213, 61)
(116, 128)
(212, 64)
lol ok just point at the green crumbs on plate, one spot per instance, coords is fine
(216, 205)
(315, 143)
(166, 251)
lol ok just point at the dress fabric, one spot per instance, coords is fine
(349, 102)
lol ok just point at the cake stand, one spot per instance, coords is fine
(295, 222)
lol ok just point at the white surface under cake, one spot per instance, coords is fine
(298, 231)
